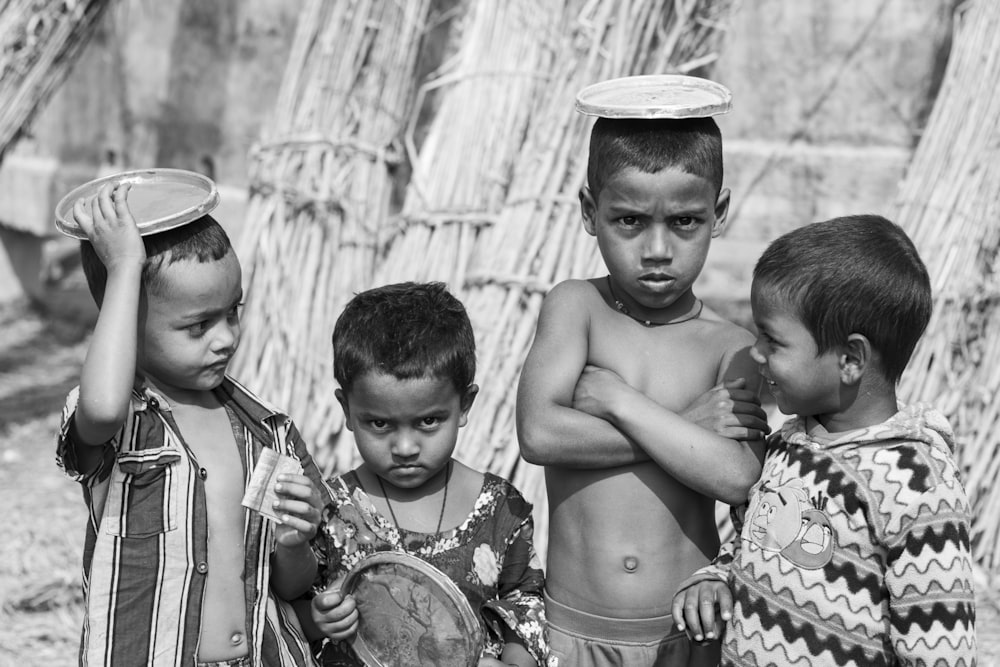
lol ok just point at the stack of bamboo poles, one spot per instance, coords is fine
(321, 188)
(39, 41)
(461, 170)
(950, 204)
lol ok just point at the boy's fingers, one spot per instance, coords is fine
(106, 202)
(82, 217)
(119, 197)
(692, 616)
(706, 607)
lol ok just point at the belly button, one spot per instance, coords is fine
(237, 638)
(631, 563)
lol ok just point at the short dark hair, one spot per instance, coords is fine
(693, 145)
(408, 330)
(855, 274)
(203, 239)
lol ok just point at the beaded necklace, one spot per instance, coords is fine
(623, 309)
(395, 522)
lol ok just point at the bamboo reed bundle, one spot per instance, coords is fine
(537, 240)
(461, 171)
(39, 42)
(321, 186)
(949, 203)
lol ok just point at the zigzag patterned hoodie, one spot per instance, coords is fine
(852, 550)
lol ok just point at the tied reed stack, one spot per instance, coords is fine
(321, 188)
(949, 203)
(39, 41)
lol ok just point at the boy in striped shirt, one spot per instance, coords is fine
(176, 571)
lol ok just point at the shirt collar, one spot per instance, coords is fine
(229, 391)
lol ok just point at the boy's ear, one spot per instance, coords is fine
(721, 212)
(342, 399)
(855, 357)
(468, 397)
(588, 209)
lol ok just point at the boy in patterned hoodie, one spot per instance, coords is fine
(853, 548)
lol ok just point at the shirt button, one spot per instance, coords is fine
(237, 638)
(203, 567)
(203, 473)
(155, 404)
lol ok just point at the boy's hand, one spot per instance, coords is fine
(300, 509)
(729, 410)
(109, 226)
(335, 616)
(594, 389)
(702, 609)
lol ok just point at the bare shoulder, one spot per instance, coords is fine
(732, 344)
(573, 292)
(724, 332)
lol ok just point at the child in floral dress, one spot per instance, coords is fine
(404, 357)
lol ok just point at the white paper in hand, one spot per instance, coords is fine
(260, 496)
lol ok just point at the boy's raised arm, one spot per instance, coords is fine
(694, 453)
(108, 372)
(549, 430)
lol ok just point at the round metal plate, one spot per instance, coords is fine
(655, 96)
(411, 613)
(160, 199)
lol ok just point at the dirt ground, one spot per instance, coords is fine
(40, 600)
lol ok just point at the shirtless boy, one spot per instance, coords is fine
(639, 400)
(176, 571)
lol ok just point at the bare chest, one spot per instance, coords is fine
(671, 364)
(209, 435)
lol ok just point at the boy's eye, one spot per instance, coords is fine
(686, 223)
(197, 329)
(233, 315)
(378, 424)
(628, 220)
(430, 422)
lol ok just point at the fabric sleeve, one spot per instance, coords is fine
(519, 605)
(66, 447)
(930, 580)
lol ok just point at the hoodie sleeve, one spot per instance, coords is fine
(930, 581)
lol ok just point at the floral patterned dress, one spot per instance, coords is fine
(490, 557)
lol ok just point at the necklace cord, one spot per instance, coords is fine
(623, 309)
(444, 503)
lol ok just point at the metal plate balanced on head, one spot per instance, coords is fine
(655, 96)
(160, 199)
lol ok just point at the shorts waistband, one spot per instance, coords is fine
(233, 662)
(639, 630)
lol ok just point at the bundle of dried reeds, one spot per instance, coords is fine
(39, 42)
(950, 203)
(321, 186)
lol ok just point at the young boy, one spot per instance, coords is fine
(639, 401)
(854, 547)
(405, 360)
(176, 571)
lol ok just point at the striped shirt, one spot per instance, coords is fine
(145, 555)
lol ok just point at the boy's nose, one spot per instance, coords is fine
(658, 244)
(227, 337)
(405, 445)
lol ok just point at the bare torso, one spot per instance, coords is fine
(209, 434)
(621, 539)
